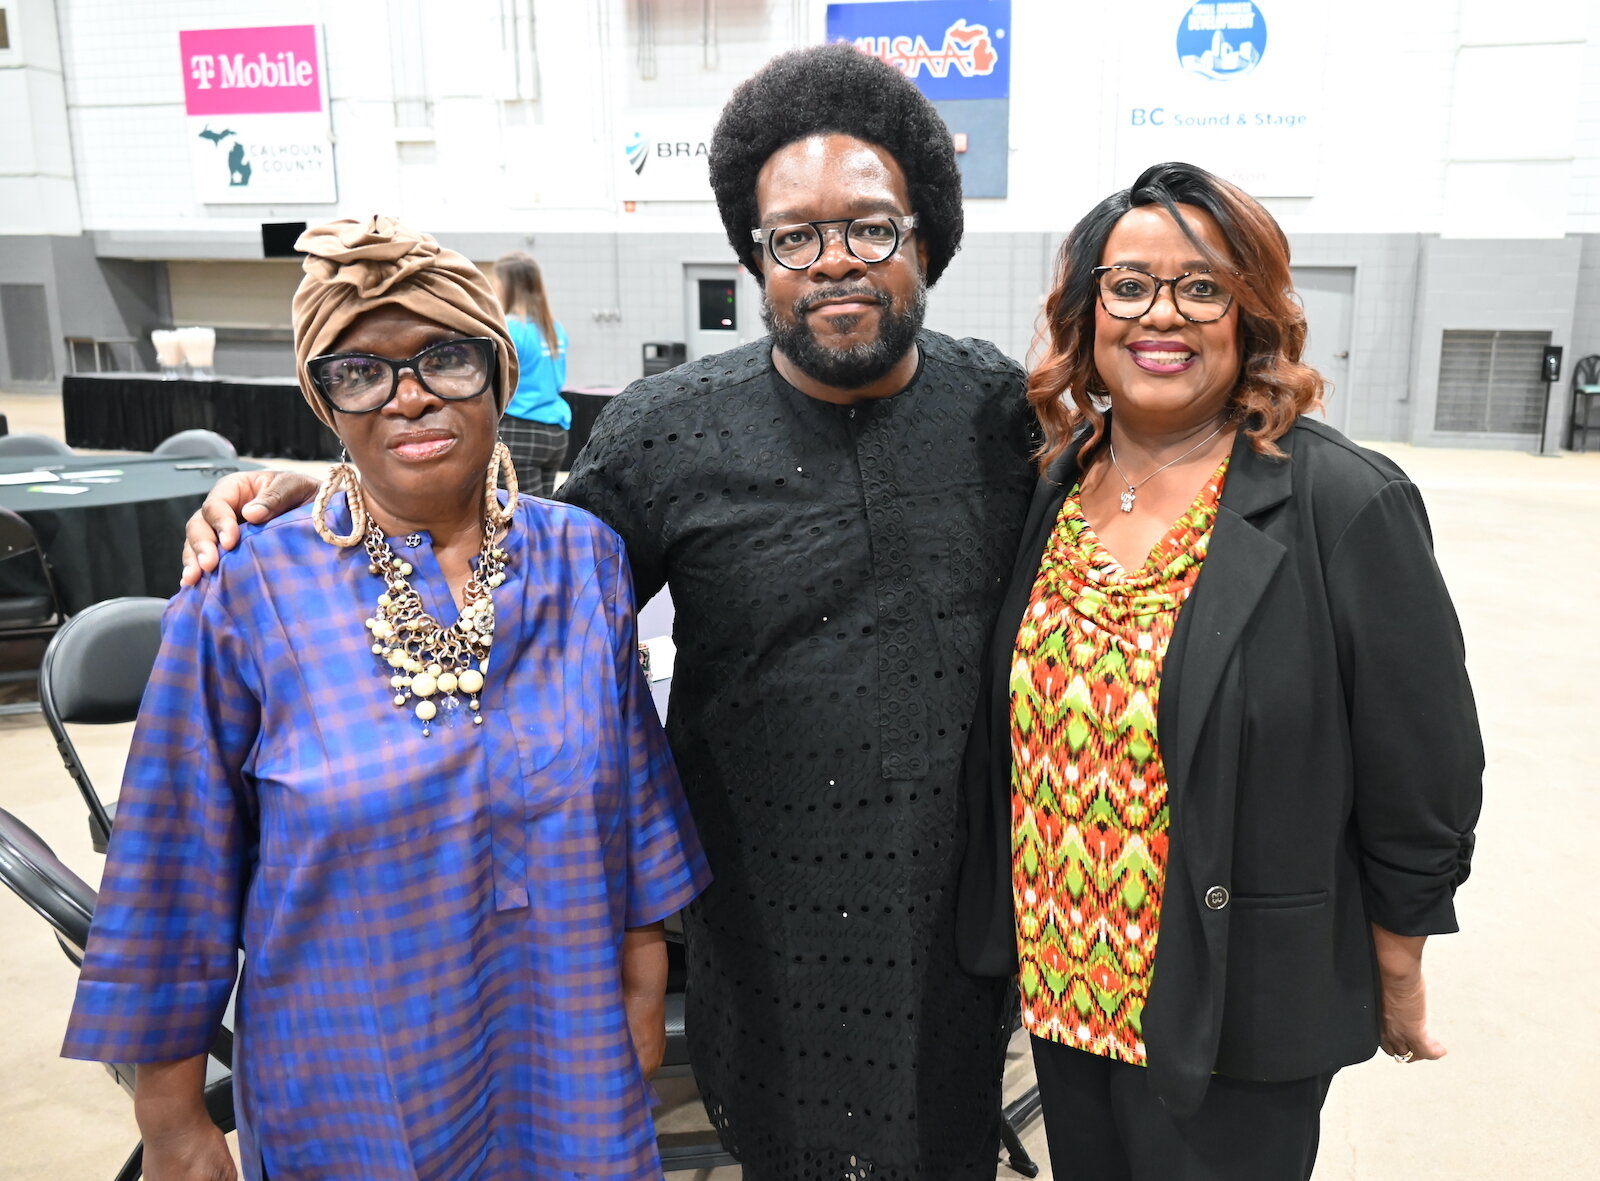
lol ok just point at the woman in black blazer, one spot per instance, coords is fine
(1226, 765)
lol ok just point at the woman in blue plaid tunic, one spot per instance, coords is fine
(444, 850)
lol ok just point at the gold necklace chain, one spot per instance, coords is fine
(425, 662)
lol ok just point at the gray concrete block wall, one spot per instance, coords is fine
(85, 295)
(994, 289)
(1586, 307)
(1375, 402)
(24, 260)
(1409, 289)
(996, 285)
(637, 276)
(611, 292)
(1585, 316)
(1494, 284)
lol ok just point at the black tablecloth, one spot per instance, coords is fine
(586, 406)
(121, 538)
(264, 416)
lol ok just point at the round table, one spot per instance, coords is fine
(121, 535)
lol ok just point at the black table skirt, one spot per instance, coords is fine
(116, 539)
(259, 416)
(264, 417)
(586, 406)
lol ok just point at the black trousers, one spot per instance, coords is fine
(1105, 1124)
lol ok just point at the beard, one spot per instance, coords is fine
(860, 365)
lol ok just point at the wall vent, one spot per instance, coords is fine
(1490, 384)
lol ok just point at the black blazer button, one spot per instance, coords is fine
(1217, 897)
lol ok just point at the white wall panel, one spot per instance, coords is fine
(1488, 119)
(1496, 22)
(1503, 199)
(1448, 82)
(1584, 201)
(38, 205)
(17, 156)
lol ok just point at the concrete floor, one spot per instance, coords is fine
(1512, 995)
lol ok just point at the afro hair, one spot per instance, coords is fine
(836, 89)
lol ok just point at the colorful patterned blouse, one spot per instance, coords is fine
(1088, 789)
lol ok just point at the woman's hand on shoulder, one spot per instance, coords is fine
(256, 497)
(1404, 997)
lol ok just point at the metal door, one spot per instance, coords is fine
(713, 308)
(1328, 294)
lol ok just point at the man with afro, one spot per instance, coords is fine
(835, 509)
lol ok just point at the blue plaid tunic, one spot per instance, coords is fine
(432, 926)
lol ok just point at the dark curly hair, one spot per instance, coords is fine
(1274, 385)
(835, 89)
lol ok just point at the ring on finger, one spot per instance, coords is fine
(1404, 1058)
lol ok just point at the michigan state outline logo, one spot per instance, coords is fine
(966, 49)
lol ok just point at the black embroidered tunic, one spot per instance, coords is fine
(835, 571)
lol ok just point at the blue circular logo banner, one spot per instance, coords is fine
(1222, 39)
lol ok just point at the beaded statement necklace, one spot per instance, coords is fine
(427, 663)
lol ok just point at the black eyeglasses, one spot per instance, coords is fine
(870, 239)
(359, 383)
(1127, 293)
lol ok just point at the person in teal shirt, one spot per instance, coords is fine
(536, 422)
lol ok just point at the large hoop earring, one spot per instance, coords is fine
(500, 516)
(342, 477)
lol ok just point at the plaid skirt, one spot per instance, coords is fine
(539, 451)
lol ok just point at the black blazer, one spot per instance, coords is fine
(1322, 755)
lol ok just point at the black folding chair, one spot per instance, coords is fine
(37, 876)
(1017, 1114)
(196, 443)
(30, 609)
(27, 443)
(1585, 389)
(29, 605)
(94, 673)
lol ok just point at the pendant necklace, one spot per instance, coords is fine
(425, 662)
(1132, 492)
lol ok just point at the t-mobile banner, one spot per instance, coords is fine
(257, 102)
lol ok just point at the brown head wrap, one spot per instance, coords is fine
(352, 267)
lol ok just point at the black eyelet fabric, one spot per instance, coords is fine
(835, 571)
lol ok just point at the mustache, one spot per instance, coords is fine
(865, 294)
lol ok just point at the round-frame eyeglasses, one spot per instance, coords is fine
(455, 370)
(1127, 293)
(870, 239)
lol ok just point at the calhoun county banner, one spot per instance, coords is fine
(958, 52)
(257, 106)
